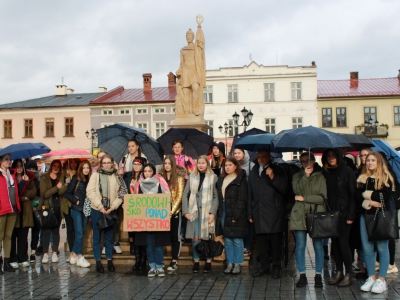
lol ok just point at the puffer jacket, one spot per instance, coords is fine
(177, 194)
(78, 195)
(311, 189)
(341, 187)
(235, 207)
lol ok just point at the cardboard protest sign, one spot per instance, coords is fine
(147, 212)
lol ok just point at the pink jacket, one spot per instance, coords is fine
(188, 165)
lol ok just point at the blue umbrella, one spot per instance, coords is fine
(240, 136)
(392, 156)
(306, 138)
(114, 139)
(24, 150)
(256, 142)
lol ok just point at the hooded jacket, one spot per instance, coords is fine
(341, 187)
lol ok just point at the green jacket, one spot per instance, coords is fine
(27, 207)
(310, 188)
(47, 190)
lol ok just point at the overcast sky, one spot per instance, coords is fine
(95, 43)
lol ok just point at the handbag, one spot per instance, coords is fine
(222, 257)
(210, 247)
(321, 225)
(87, 210)
(383, 225)
(46, 218)
(106, 221)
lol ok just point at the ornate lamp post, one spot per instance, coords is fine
(247, 115)
(370, 127)
(92, 136)
(225, 130)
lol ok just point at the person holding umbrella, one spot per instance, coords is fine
(181, 159)
(9, 206)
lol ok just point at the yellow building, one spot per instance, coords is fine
(363, 106)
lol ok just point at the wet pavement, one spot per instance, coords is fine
(63, 281)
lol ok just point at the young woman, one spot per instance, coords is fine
(70, 168)
(243, 158)
(51, 190)
(310, 188)
(96, 164)
(26, 192)
(152, 183)
(217, 157)
(181, 159)
(130, 181)
(174, 176)
(341, 185)
(9, 206)
(373, 186)
(134, 150)
(76, 194)
(232, 213)
(199, 207)
(103, 187)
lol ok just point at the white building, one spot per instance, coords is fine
(280, 97)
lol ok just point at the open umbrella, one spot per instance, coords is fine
(114, 139)
(24, 150)
(65, 154)
(357, 141)
(392, 156)
(195, 142)
(240, 136)
(256, 142)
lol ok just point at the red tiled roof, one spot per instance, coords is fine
(120, 95)
(359, 88)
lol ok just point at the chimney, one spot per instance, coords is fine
(147, 82)
(171, 79)
(61, 90)
(70, 91)
(353, 80)
(313, 65)
(102, 89)
(398, 76)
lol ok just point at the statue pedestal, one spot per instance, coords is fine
(190, 121)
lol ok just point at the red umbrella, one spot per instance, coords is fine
(65, 154)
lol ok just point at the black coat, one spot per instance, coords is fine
(235, 205)
(266, 202)
(341, 187)
(79, 195)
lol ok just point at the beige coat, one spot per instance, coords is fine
(93, 193)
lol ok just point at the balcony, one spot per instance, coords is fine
(372, 131)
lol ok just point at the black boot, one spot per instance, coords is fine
(326, 255)
(99, 267)
(132, 248)
(338, 277)
(302, 281)
(143, 258)
(7, 266)
(137, 258)
(110, 266)
(318, 281)
(1, 266)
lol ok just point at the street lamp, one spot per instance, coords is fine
(370, 127)
(225, 130)
(247, 115)
(92, 137)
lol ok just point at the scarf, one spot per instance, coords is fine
(206, 201)
(227, 180)
(150, 185)
(245, 163)
(103, 181)
(7, 175)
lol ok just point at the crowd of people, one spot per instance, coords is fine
(228, 196)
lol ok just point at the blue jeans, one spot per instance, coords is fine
(196, 255)
(108, 237)
(80, 222)
(233, 246)
(369, 253)
(301, 245)
(155, 254)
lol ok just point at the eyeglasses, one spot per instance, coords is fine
(304, 162)
(107, 163)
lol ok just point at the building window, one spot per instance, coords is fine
(269, 91)
(296, 90)
(104, 125)
(7, 128)
(159, 129)
(297, 122)
(69, 126)
(208, 94)
(397, 116)
(233, 93)
(107, 112)
(327, 117)
(159, 110)
(235, 130)
(142, 125)
(341, 120)
(210, 131)
(173, 110)
(28, 127)
(124, 111)
(49, 123)
(270, 125)
(370, 114)
(141, 111)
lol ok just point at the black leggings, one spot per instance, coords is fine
(19, 245)
(176, 242)
(47, 233)
(341, 248)
(69, 222)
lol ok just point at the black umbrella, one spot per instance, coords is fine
(357, 141)
(195, 142)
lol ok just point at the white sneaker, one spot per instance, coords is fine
(15, 265)
(117, 248)
(54, 258)
(82, 262)
(379, 287)
(392, 269)
(376, 266)
(73, 259)
(45, 258)
(25, 264)
(367, 286)
(103, 251)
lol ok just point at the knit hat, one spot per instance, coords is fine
(31, 165)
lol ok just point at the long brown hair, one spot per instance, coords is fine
(235, 162)
(139, 150)
(382, 174)
(173, 179)
(79, 173)
(51, 168)
(221, 157)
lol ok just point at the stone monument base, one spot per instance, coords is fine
(190, 121)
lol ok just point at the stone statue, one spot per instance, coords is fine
(191, 75)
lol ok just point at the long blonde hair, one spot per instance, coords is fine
(208, 170)
(381, 174)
